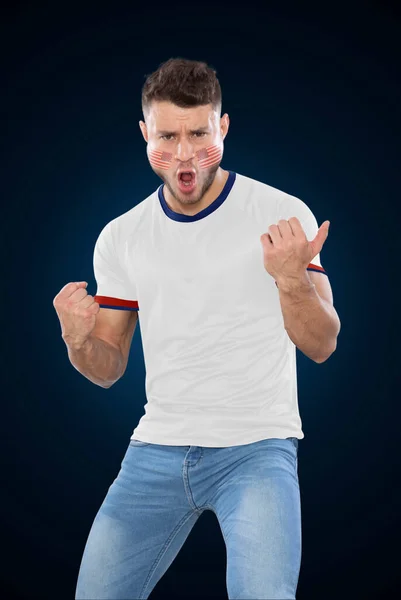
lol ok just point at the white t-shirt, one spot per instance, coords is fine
(220, 367)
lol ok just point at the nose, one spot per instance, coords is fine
(184, 151)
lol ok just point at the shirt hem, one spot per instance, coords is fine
(216, 443)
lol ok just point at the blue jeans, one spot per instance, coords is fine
(159, 494)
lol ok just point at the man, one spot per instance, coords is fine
(224, 273)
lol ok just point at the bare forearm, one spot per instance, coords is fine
(311, 323)
(97, 360)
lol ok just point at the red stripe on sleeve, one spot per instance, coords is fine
(317, 267)
(116, 301)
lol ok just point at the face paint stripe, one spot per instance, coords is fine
(206, 160)
(160, 165)
(164, 156)
(212, 155)
(206, 151)
(208, 156)
(215, 151)
(207, 164)
(160, 158)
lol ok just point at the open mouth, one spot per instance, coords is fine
(186, 181)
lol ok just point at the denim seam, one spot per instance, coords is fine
(187, 486)
(163, 551)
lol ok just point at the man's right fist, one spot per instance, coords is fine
(77, 311)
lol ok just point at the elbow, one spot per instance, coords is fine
(321, 360)
(106, 384)
(333, 345)
(327, 355)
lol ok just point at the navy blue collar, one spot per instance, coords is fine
(206, 211)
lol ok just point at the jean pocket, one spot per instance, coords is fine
(138, 443)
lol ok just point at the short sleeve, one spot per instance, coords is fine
(114, 289)
(294, 207)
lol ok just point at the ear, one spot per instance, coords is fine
(224, 125)
(144, 130)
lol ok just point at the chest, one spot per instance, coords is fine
(224, 270)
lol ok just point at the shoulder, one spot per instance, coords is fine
(292, 206)
(280, 203)
(260, 188)
(264, 199)
(126, 224)
(265, 192)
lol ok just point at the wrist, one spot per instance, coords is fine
(76, 344)
(302, 283)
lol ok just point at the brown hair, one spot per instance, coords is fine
(183, 82)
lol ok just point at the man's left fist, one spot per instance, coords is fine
(287, 252)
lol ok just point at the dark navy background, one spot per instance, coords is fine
(313, 96)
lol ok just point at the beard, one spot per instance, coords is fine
(203, 188)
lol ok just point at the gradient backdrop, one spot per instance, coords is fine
(313, 95)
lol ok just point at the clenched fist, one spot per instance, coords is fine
(77, 311)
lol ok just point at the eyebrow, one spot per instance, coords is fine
(198, 130)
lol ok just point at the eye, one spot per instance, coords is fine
(169, 136)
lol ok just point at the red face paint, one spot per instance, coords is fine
(160, 159)
(209, 156)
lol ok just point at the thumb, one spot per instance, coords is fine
(81, 283)
(320, 238)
